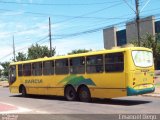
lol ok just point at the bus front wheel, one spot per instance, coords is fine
(84, 94)
(23, 91)
(70, 93)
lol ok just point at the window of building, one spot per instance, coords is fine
(114, 62)
(121, 37)
(95, 64)
(27, 69)
(61, 66)
(48, 68)
(20, 70)
(77, 65)
(37, 69)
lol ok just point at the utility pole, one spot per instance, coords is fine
(14, 55)
(138, 21)
(50, 37)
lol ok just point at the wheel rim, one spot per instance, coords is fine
(70, 94)
(84, 94)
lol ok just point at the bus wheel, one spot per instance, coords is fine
(70, 93)
(23, 91)
(84, 94)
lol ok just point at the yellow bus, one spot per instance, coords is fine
(98, 74)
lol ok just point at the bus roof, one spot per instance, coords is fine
(116, 49)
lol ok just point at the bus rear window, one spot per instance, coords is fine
(142, 58)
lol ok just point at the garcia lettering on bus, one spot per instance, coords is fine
(34, 81)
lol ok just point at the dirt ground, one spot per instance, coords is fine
(4, 83)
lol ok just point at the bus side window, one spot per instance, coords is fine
(114, 62)
(37, 69)
(20, 70)
(48, 67)
(95, 64)
(77, 65)
(27, 69)
(61, 66)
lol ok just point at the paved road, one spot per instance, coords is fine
(58, 105)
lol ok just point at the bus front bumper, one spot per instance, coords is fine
(132, 91)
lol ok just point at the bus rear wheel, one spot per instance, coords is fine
(23, 91)
(84, 94)
(70, 93)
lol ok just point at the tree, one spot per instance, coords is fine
(152, 42)
(21, 56)
(5, 66)
(78, 51)
(38, 51)
(0, 72)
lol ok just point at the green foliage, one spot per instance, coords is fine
(152, 42)
(34, 52)
(0, 72)
(3, 79)
(21, 56)
(37, 51)
(5, 66)
(78, 51)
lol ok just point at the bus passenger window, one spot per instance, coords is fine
(27, 69)
(37, 69)
(114, 62)
(20, 70)
(77, 65)
(95, 64)
(61, 66)
(48, 68)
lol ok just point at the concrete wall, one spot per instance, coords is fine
(146, 26)
(109, 37)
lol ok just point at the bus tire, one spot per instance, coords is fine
(70, 93)
(84, 94)
(23, 91)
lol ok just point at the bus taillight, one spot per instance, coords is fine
(133, 83)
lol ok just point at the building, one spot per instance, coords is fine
(114, 37)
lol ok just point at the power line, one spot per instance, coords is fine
(71, 17)
(145, 5)
(129, 5)
(68, 16)
(89, 13)
(23, 48)
(62, 36)
(59, 4)
(76, 34)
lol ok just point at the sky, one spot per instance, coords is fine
(76, 24)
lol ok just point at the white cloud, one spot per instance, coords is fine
(67, 45)
(10, 13)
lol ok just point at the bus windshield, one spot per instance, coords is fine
(142, 58)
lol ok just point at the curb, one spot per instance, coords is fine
(152, 95)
